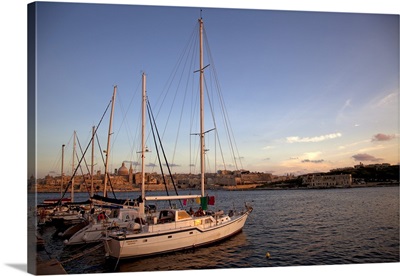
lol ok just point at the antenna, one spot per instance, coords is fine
(201, 13)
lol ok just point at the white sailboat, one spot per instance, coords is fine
(174, 229)
(68, 215)
(117, 213)
(112, 219)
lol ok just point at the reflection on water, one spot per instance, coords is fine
(296, 227)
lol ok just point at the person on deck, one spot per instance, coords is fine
(191, 212)
(199, 212)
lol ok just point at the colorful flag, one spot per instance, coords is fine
(211, 200)
(204, 201)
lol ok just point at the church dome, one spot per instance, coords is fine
(123, 170)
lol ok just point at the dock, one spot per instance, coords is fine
(45, 264)
(50, 267)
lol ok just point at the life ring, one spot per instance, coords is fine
(101, 217)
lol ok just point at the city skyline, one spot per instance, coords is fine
(305, 91)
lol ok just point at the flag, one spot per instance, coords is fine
(204, 201)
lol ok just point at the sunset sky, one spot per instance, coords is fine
(304, 91)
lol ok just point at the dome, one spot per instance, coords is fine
(123, 170)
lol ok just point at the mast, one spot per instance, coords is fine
(202, 153)
(92, 161)
(62, 169)
(73, 168)
(108, 141)
(141, 205)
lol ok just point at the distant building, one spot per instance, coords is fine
(327, 181)
(376, 166)
(123, 170)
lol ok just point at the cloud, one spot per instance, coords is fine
(366, 157)
(311, 155)
(134, 163)
(268, 147)
(312, 161)
(296, 139)
(341, 114)
(172, 165)
(382, 137)
(346, 104)
(390, 98)
(352, 145)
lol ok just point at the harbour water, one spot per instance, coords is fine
(286, 228)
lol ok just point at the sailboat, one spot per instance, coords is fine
(62, 199)
(174, 229)
(116, 212)
(70, 214)
(94, 231)
(105, 201)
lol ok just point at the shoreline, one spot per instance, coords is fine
(248, 187)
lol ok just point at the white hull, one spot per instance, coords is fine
(90, 234)
(173, 236)
(95, 231)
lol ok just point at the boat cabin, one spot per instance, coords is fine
(127, 214)
(170, 215)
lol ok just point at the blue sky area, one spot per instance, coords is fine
(305, 91)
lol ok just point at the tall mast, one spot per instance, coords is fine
(62, 169)
(108, 141)
(143, 137)
(73, 168)
(202, 153)
(143, 129)
(92, 161)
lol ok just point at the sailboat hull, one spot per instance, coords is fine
(184, 235)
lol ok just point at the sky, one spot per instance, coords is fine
(348, 114)
(304, 91)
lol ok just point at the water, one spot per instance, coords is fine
(296, 227)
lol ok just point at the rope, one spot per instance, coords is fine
(152, 119)
(87, 167)
(119, 255)
(227, 124)
(156, 147)
(102, 157)
(56, 164)
(79, 163)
